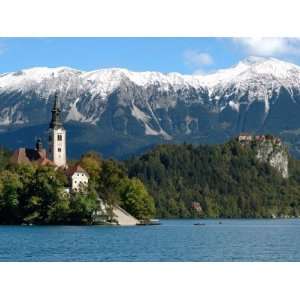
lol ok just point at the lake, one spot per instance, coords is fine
(173, 240)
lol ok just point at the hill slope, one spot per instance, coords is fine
(227, 180)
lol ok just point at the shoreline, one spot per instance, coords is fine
(161, 222)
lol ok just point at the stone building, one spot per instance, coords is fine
(37, 156)
(245, 137)
(78, 177)
(57, 152)
(57, 137)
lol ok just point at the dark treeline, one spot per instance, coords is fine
(227, 181)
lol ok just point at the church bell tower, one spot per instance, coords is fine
(57, 137)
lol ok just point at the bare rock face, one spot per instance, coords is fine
(118, 112)
(275, 154)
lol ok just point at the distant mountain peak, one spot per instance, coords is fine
(126, 107)
(250, 60)
(268, 64)
(109, 78)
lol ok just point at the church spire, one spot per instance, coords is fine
(55, 120)
(57, 137)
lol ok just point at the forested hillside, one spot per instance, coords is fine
(227, 180)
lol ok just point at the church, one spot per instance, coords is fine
(57, 152)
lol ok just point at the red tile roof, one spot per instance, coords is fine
(45, 162)
(27, 156)
(76, 168)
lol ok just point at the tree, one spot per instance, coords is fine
(48, 185)
(109, 181)
(9, 198)
(83, 207)
(135, 199)
(92, 163)
(226, 179)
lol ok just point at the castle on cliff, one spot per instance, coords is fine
(56, 155)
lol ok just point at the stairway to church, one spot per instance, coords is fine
(123, 217)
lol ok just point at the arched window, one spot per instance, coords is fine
(59, 137)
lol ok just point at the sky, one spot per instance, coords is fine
(183, 55)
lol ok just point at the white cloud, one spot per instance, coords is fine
(198, 60)
(270, 46)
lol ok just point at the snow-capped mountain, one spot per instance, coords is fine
(125, 111)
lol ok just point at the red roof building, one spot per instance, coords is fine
(28, 156)
(78, 177)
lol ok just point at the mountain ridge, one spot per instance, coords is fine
(257, 95)
(262, 65)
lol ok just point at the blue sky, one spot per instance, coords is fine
(184, 55)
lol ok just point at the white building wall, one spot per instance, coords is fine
(79, 180)
(57, 146)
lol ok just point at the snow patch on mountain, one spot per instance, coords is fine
(5, 118)
(252, 79)
(145, 119)
(102, 82)
(188, 121)
(138, 114)
(255, 67)
(74, 114)
(31, 78)
(234, 105)
(267, 103)
(151, 131)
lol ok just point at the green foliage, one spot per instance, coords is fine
(135, 199)
(33, 194)
(83, 207)
(4, 157)
(92, 163)
(9, 198)
(112, 184)
(226, 180)
(30, 194)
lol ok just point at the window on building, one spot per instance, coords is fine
(50, 138)
(59, 149)
(59, 137)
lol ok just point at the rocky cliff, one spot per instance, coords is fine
(275, 154)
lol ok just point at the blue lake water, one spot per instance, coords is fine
(174, 240)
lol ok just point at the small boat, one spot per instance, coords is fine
(154, 222)
(199, 224)
(26, 224)
(149, 222)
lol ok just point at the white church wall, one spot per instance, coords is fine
(79, 180)
(57, 146)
